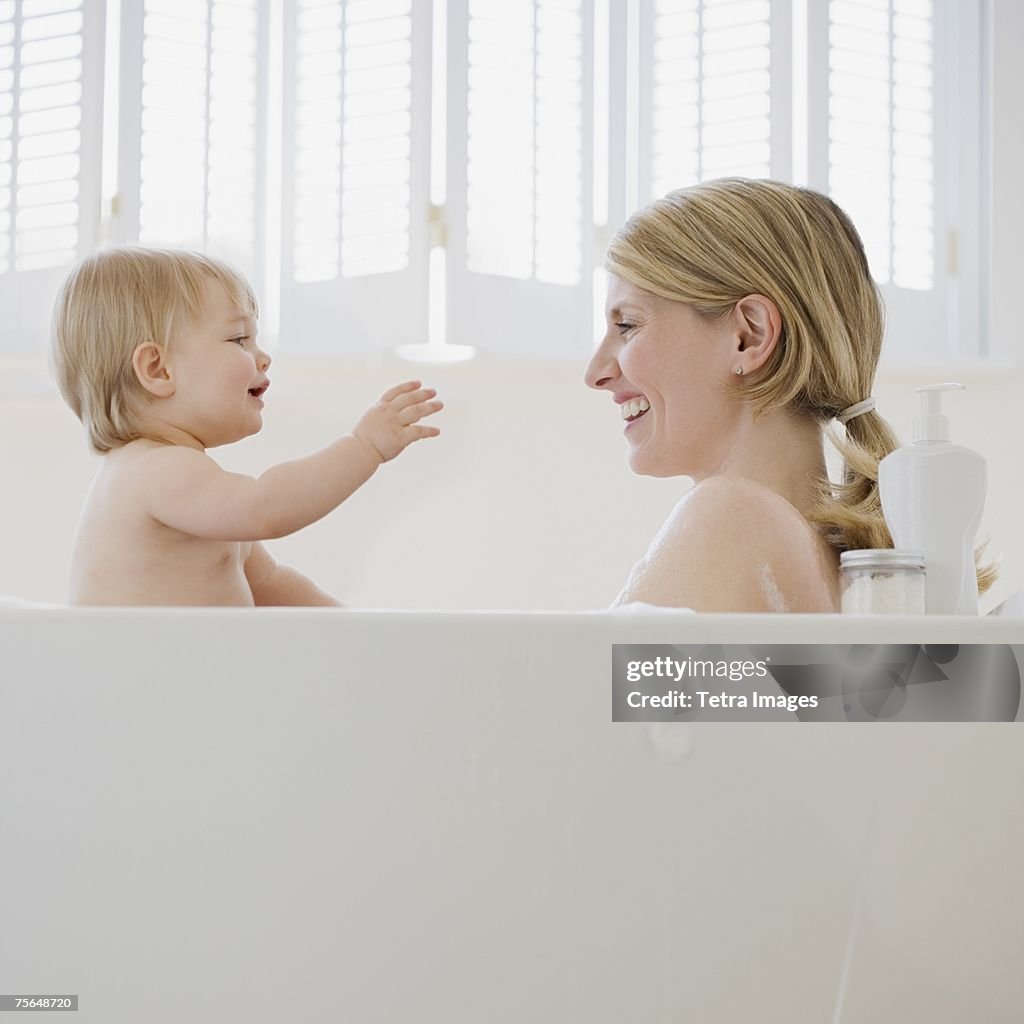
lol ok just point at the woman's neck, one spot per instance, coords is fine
(783, 451)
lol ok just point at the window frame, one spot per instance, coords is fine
(510, 318)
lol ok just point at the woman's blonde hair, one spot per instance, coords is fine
(710, 245)
(112, 302)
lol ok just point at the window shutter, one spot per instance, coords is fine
(192, 139)
(875, 148)
(520, 175)
(356, 178)
(714, 92)
(51, 76)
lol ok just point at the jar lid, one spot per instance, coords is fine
(888, 558)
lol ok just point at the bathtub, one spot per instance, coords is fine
(312, 814)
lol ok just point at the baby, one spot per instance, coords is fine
(156, 353)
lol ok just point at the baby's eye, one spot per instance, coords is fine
(239, 341)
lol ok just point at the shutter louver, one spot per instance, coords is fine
(352, 156)
(709, 84)
(520, 179)
(50, 95)
(356, 174)
(376, 137)
(881, 133)
(524, 139)
(316, 183)
(40, 201)
(196, 181)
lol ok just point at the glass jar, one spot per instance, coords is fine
(882, 581)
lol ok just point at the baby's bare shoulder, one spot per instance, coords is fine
(146, 463)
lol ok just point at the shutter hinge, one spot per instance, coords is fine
(437, 227)
(108, 219)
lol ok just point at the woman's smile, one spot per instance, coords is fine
(634, 408)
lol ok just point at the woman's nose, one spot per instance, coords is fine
(601, 369)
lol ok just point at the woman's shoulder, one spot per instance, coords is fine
(739, 520)
(723, 504)
(732, 544)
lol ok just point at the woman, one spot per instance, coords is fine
(742, 320)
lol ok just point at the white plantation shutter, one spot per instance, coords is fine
(192, 144)
(356, 179)
(51, 72)
(520, 175)
(541, 161)
(883, 133)
(714, 92)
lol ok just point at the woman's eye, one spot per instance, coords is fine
(625, 328)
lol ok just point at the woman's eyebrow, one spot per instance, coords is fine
(617, 311)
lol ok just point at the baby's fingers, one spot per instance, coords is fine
(410, 414)
(402, 401)
(398, 389)
(418, 433)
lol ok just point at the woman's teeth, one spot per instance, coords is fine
(634, 408)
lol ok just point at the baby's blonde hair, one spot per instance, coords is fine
(112, 302)
(710, 245)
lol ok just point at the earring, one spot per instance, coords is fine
(739, 371)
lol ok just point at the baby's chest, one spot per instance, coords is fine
(216, 556)
(152, 548)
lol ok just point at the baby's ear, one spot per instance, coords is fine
(149, 366)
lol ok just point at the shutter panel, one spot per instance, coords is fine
(356, 174)
(520, 183)
(51, 75)
(711, 90)
(881, 134)
(192, 128)
(884, 129)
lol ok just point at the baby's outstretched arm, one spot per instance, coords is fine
(186, 490)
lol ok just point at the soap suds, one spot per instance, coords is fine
(770, 589)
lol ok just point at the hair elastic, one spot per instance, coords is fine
(853, 411)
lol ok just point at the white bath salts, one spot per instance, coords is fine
(882, 581)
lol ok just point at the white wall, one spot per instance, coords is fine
(526, 500)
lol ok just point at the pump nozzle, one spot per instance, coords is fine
(931, 425)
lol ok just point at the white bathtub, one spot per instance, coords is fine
(306, 815)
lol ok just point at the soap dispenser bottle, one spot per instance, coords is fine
(932, 494)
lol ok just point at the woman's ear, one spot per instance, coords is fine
(759, 329)
(150, 368)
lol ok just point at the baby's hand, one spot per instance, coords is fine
(393, 423)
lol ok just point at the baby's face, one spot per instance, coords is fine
(219, 373)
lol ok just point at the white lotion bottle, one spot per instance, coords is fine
(933, 494)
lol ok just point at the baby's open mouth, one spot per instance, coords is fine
(634, 409)
(260, 391)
